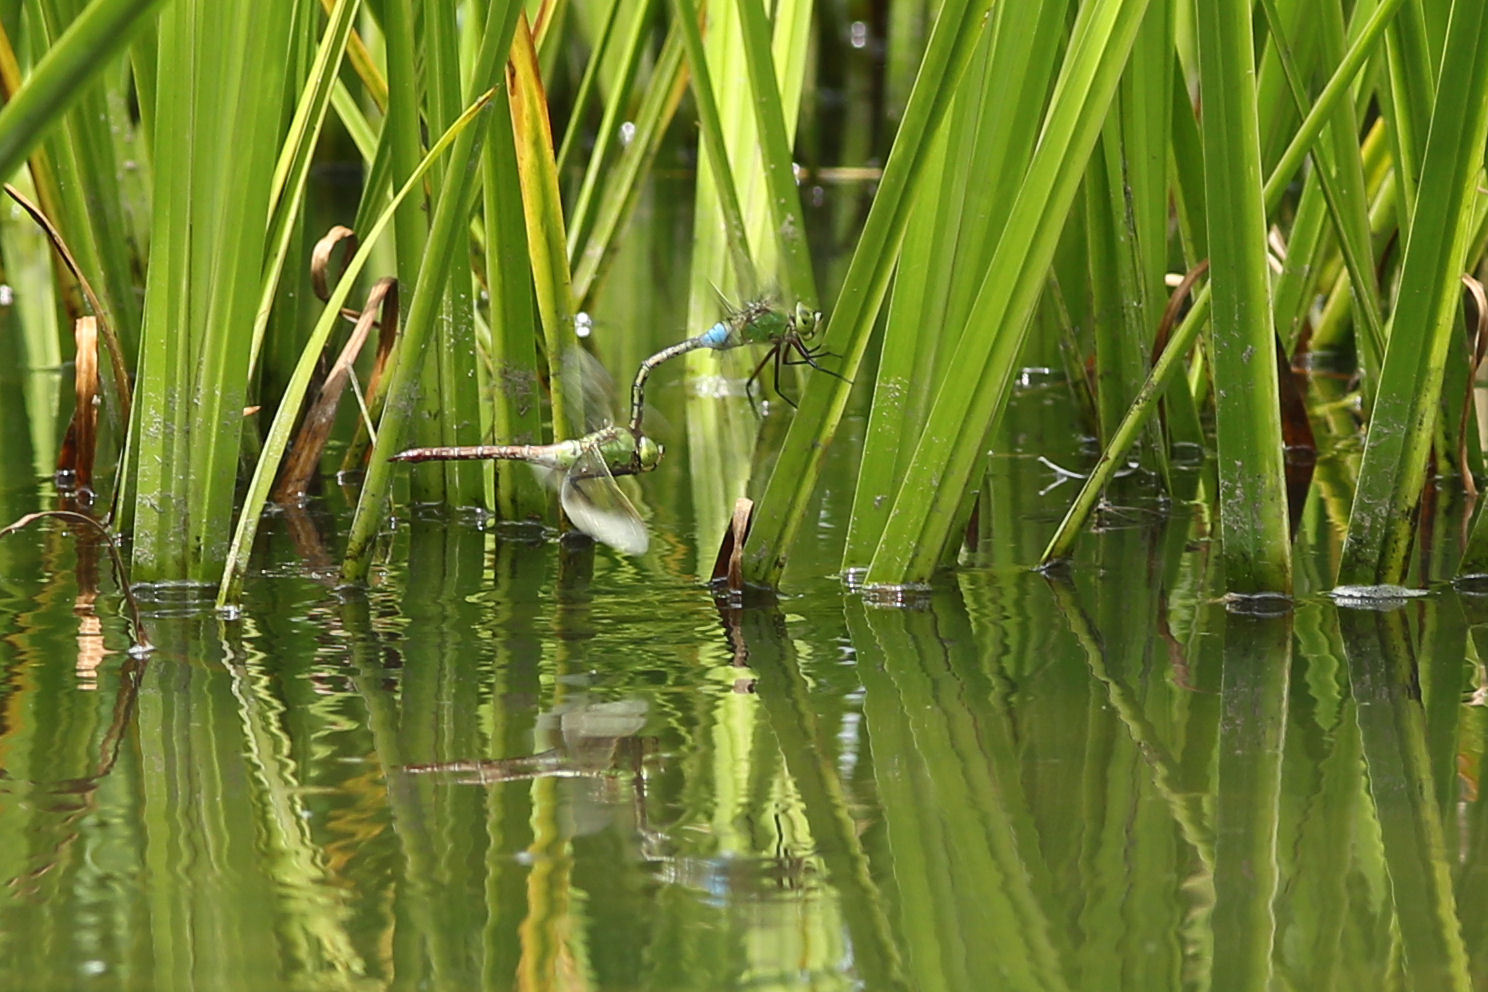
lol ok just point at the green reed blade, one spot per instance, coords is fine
(401, 129)
(547, 245)
(280, 429)
(1247, 413)
(1178, 345)
(1342, 182)
(221, 125)
(599, 55)
(447, 229)
(90, 180)
(293, 168)
(779, 512)
(685, 16)
(721, 435)
(959, 211)
(623, 186)
(958, 215)
(61, 77)
(1285, 34)
(1119, 359)
(908, 353)
(798, 281)
(516, 389)
(607, 142)
(451, 400)
(349, 113)
(1136, 166)
(1407, 99)
(1408, 400)
(979, 376)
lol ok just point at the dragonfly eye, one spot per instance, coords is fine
(649, 452)
(806, 321)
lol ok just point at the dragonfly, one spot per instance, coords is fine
(758, 322)
(586, 488)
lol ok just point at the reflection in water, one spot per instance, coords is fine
(510, 765)
(543, 782)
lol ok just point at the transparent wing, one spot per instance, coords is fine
(593, 501)
(587, 373)
(584, 375)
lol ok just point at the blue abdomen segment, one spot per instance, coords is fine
(716, 336)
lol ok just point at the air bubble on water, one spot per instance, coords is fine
(859, 34)
(627, 132)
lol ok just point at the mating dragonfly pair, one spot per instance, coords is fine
(588, 465)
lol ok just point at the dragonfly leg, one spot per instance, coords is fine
(779, 351)
(753, 378)
(808, 356)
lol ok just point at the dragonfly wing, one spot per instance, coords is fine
(594, 503)
(585, 376)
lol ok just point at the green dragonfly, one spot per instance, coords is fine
(758, 322)
(586, 489)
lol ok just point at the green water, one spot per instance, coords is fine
(506, 765)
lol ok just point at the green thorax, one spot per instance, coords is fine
(624, 451)
(759, 323)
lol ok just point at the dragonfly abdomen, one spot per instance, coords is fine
(539, 453)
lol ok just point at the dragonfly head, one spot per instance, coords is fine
(806, 321)
(648, 452)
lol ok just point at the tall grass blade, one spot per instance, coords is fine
(1341, 180)
(658, 104)
(602, 156)
(293, 168)
(784, 201)
(599, 55)
(1408, 97)
(516, 391)
(279, 430)
(780, 509)
(61, 77)
(1247, 404)
(1144, 108)
(211, 202)
(451, 402)
(1170, 361)
(86, 153)
(960, 209)
(685, 16)
(450, 222)
(979, 376)
(547, 245)
(1407, 403)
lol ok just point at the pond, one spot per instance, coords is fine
(512, 763)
